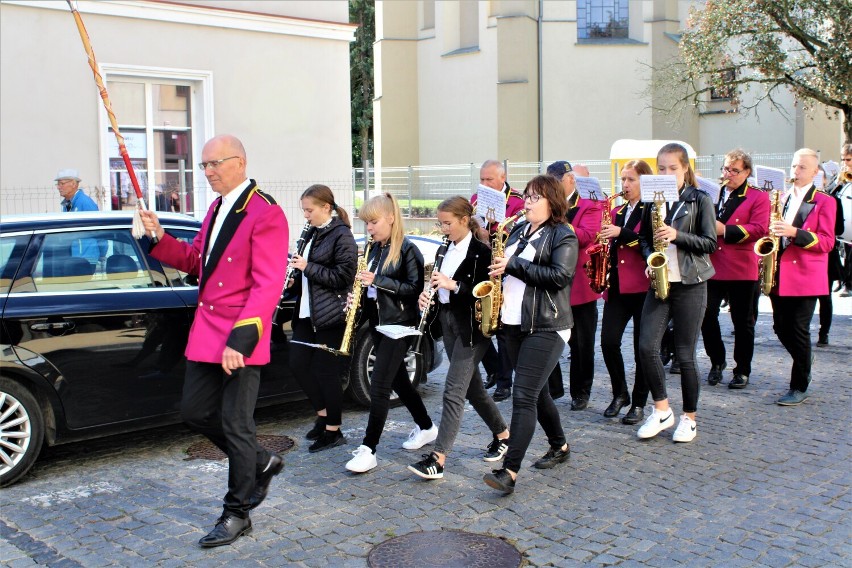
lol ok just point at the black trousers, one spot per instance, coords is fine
(582, 345)
(496, 361)
(389, 373)
(317, 370)
(221, 407)
(740, 294)
(533, 357)
(791, 319)
(826, 313)
(619, 309)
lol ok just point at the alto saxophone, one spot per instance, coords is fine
(767, 248)
(439, 260)
(489, 293)
(658, 262)
(597, 267)
(352, 312)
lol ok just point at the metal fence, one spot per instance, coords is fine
(418, 188)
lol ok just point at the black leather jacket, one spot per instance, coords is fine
(398, 286)
(332, 261)
(472, 271)
(694, 218)
(547, 297)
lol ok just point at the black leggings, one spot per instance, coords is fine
(389, 372)
(533, 357)
(318, 371)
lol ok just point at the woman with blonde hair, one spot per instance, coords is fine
(392, 282)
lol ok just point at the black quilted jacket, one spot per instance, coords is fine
(332, 261)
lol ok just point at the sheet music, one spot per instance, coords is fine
(710, 187)
(650, 186)
(770, 178)
(819, 179)
(398, 331)
(589, 188)
(490, 205)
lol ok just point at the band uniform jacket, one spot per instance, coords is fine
(584, 217)
(240, 283)
(746, 218)
(803, 262)
(627, 265)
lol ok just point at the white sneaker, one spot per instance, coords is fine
(419, 438)
(656, 423)
(686, 430)
(364, 460)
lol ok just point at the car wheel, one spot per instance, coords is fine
(361, 369)
(21, 431)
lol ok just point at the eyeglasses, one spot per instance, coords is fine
(64, 181)
(733, 171)
(533, 197)
(214, 163)
(443, 224)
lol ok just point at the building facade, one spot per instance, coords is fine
(541, 80)
(275, 74)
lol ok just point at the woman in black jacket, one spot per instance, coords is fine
(327, 269)
(539, 263)
(392, 282)
(689, 232)
(465, 264)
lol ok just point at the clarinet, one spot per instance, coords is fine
(439, 259)
(301, 243)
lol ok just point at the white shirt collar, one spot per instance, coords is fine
(462, 245)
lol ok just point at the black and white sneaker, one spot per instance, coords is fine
(428, 467)
(496, 450)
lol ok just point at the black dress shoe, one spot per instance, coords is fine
(490, 381)
(714, 377)
(501, 480)
(329, 439)
(739, 381)
(579, 403)
(501, 393)
(634, 416)
(616, 405)
(318, 429)
(823, 340)
(261, 484)
(228, 528)
(552, 458)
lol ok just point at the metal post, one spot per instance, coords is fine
(474, 179)
(366, 179)
(182, 183)
(410, 182)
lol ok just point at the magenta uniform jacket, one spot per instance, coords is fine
(625, 253)
(804, 260)
(746, 219)
(241, 282)
(584, 217)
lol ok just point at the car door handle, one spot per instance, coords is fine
(52, 326)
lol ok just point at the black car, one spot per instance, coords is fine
(93, 332)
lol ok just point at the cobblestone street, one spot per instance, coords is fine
(761, 485)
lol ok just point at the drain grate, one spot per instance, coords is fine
(444, 548)
(206, 450)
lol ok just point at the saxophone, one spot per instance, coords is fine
(439, 260)
(489, 294)
(352, 312)
(658, 261)
(767, 248)
(597, 267)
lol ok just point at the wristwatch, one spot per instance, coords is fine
(457, 288)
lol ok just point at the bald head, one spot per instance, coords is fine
(581, 170)
(225, 157)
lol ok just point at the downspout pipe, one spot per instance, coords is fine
(540, 89)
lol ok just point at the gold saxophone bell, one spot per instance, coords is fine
(489, 293)
(767, 248)
(845, 176)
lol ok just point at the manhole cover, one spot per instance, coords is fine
(205, 450)
(444, 548)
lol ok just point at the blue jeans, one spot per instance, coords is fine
(533, 356)
(685, 306)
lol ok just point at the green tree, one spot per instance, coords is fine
(362, 12)
(763, 47)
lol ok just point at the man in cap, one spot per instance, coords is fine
(73, 198)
